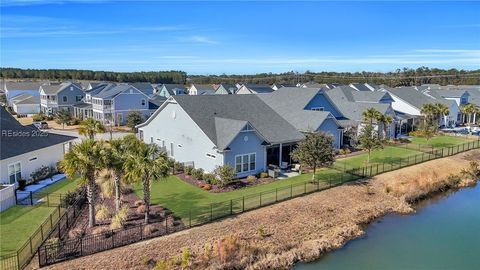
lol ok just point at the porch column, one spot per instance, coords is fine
(280, 156)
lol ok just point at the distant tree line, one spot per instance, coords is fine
(399, 77)
(173, 76)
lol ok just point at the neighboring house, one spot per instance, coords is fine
(409, 101)
(254, 89)
(145, 87)
(213, 130)
(459, 96)
(25, 104)
(25, 149)
(277, 86)
(350, 105)
(12, 89)
(302, 108)
(112, 103)
(62, 96)
(168, 90)
(201, 89)
(226, 89)
(89, 85)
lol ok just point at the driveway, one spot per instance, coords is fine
(74, 133)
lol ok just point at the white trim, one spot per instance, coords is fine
(15, 173)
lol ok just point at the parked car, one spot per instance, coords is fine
(41, 124)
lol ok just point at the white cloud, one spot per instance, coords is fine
(202, 39)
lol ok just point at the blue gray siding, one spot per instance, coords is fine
(330, 126)
(321, 101)
(239, 147)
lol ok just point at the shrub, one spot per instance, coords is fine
(144, 260)
(38, 117)
(263, 175)
(179, 166)
(102, 212)
(71, 197)
(207, 251)
(209, 178)
(185, 257)
(198, 173)
(119, 219)
(188, 170)
(138, 203)
(225, 173)
(42, 173)
(261, 231)
(75, 233)
(53, 250)
(207, 187)
(251, 178)
(102, 230)
(149, 229)
(74, 121)
(22, 183)
(161, 265)
(141, 209)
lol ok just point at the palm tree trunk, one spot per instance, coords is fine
(146, 197)
(117, 192)
(91, 202)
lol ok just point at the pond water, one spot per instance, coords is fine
(444, 233)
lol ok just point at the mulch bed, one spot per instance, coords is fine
(157, 217)
(241, 183)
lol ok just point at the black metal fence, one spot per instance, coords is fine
(33, 198)
(57, 222)
(65, 250)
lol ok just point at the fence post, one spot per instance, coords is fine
(67, 218)
(276, 194)
(31, 198)
(190, 218)
(231, 207)
(291, 190)
(81, 246)
(260, 198)
(442, 152)
(211, 211)
(113, 240)
(18, 261)
(59, 229)
(166, 224)
(30, 241)
(48, 200)
(141, 231)
(51, 222)
(305, 187)
(243, 204)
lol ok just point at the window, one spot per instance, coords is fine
(78, 98)
(14, 172)
(211, 156)
(320, 109)
(143, 102)
(245, 163)
(64, 98)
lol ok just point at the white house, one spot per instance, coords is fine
(201, 89)
(25, 104)
(25, 149)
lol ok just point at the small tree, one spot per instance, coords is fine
(134, 118)
(225, 174)
(369, 139)
(63, 117)
(89, 127)
(316, 150)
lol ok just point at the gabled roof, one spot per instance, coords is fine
(144, 87)
(448, 93)
(205, 111)
(155, 102)
(290, 103)
(17, 145)
(230, 88)
(112, 90)
(26, 99)
(227, 129)
(360, 87)
(259, 88)
(416, 98)
(56, 88)
(22, 85)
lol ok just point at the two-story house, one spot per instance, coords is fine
(168, 90)
(62, 96)
(12, 89)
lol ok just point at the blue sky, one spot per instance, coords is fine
(239, 37)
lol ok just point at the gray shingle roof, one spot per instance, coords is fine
(290, 103)
(249, 108)
(56, 88)
(259, 88)
(16, 145)
(144, 87)
(26, 99)
(360, 87)
(112, 90)
(416, 98)
(22, 85)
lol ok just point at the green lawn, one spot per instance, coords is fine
(388, 154)
(441, 141)
(181, 197)
(19, 222)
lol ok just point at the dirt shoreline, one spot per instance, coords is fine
(276, 237)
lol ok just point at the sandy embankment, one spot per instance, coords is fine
(277, 236)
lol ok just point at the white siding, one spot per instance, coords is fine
(173, 126)
(402, 106)
(26, 108)
(7, 197)
(48, 156)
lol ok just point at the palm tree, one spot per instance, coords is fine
(443, 110)
(144, 164)
(370, 115)
(84, 159)
(89, 127)
(469, 109)
(113, 157)
(386, 120)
